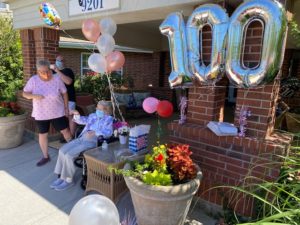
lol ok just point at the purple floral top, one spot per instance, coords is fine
(52, 105)
(102, 126)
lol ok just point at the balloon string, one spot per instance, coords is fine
(115, 103)
(70, 36)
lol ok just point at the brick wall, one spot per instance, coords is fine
(226, 160)
(72, 58)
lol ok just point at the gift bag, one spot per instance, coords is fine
(138, 138)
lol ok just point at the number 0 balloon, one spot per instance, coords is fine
(50, 15)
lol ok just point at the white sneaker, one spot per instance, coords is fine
(64, 186)
(55, 183)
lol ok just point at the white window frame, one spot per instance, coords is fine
(81, 63)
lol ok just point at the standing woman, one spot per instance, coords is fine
(50, 105)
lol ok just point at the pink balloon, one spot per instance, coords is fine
(150, 104)
(115, 60)
(91, 29)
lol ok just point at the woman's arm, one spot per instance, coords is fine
(66, 103)
(29, 95)
(67, 80)
(79, 119)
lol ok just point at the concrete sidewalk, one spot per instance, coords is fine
(25, 196)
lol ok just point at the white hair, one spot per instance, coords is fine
(107, 105)
(42, 62)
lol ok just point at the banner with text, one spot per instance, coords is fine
(77, 7)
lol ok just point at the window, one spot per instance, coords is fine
(3, 6)
(85, 66)
(84, 63)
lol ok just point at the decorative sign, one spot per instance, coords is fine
(77, 7)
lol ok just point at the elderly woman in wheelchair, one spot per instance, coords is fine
(98, 124)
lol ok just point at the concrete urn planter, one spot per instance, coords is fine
(12, 130)
(161, 205)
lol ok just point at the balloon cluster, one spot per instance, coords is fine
(163, 108)
(107, 60)
(49, 15)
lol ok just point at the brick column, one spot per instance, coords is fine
(46, 43)
(206, 104)
(262, 104)
(28, 52)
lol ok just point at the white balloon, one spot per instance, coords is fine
(108, 26)
(105, 44)
(94, 210)
(97, 63)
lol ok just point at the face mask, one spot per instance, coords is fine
(99, 113)
(59, 64)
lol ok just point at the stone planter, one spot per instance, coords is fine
(12, 130)
(161, 205)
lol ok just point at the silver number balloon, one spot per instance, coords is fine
(216, 17)
(174, 28)
(273, 17)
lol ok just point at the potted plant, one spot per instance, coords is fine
(163, 185)
(122, 130)
(12, 124)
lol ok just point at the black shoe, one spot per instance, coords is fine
(62, 140)
(43, 161)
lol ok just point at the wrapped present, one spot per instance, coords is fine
(138, 138)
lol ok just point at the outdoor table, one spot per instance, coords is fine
(99, 177)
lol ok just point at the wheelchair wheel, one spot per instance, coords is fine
(79, 161)
(83, 182)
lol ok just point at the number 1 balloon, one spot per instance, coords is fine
(50, 15)
(173, 27)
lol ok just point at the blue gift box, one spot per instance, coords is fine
(138, 143)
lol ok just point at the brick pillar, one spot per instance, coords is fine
(206, 104)
(46, 43)
(262, 104)
(28, 52)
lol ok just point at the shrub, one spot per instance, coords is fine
(11, 75)
(97, 85)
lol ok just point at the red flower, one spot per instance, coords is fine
(160, 157)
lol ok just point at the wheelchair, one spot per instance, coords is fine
(80, 162)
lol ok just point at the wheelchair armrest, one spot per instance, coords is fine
(111, 139)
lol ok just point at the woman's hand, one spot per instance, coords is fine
(53, 67)
(37, 97)
(90, 134)
(74, 112)
(67, 112)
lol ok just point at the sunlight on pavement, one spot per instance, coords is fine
(14, 195)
